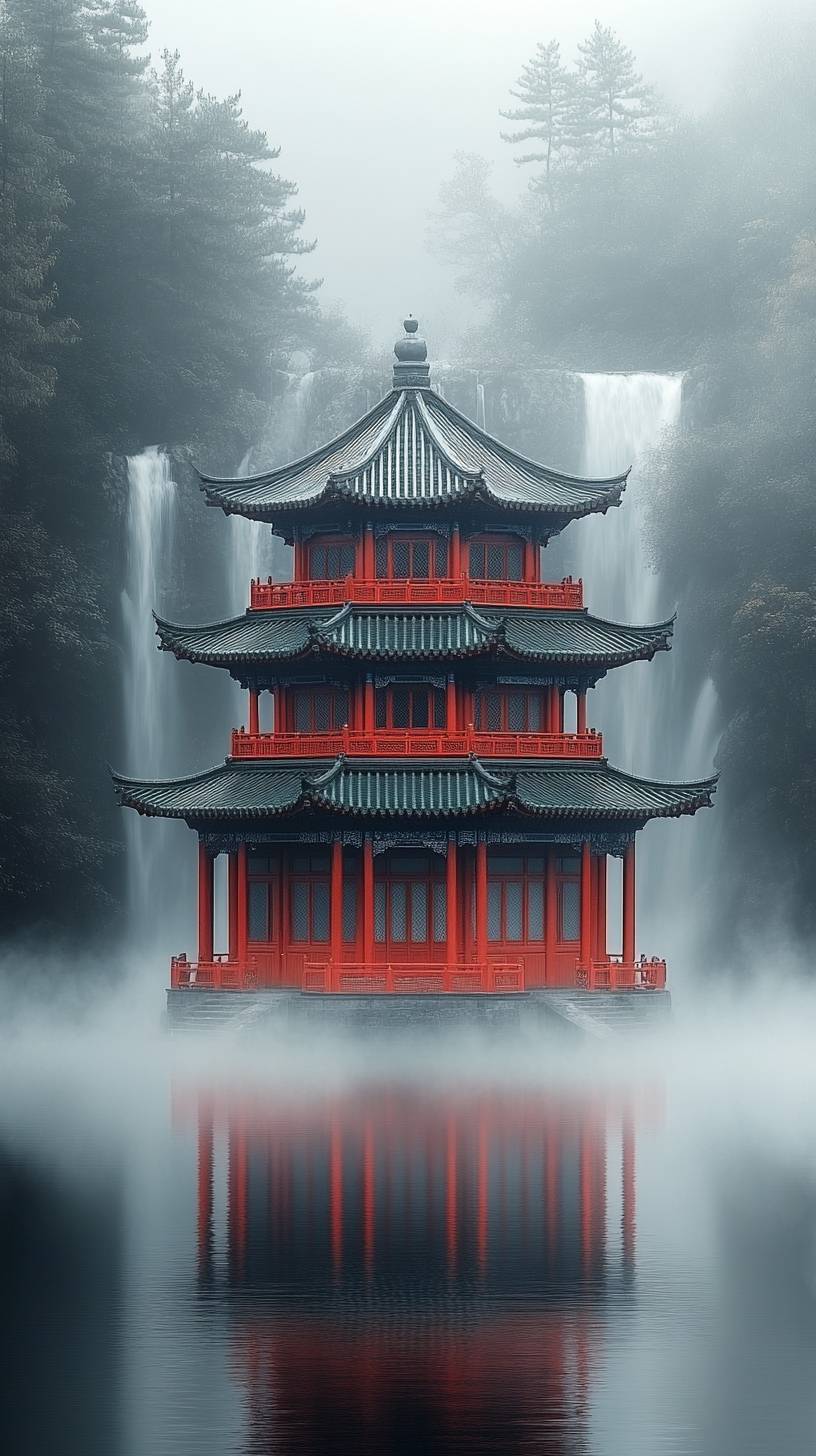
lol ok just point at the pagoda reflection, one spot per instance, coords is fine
(414, 1272)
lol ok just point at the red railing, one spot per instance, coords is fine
(409, 979)
(219, 974)
(565, 595)
(614, 975)
(425, 743)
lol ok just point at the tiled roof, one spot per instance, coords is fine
(414, 449)
(363, 632)
(237, 791)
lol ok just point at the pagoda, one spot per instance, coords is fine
(404, 811)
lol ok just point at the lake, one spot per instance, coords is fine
(235, 1244)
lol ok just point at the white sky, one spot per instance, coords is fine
(369, 99)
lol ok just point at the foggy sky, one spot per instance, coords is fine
(369, 100)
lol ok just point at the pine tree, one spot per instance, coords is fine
(32, 205)
(548, 95)
(618, 107)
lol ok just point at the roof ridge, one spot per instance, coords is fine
(389, 429)
(270, 477)
(474, 476)
(515, 456)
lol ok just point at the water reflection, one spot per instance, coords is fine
(414, 1273)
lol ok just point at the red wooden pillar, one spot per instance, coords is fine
(336, 1187)
(593, 918)
(242, 907)
(369, 570)
(300, 553)
(581, 712)
(205, 1190)
(450, 714)
(553, 708)
(368, 705)
(481, 902)
(451, 1191)
(452, 911)
(586, 910)
(550, 914)
(368, 900)
(560, 710)
(600, 930)
(254, 714)
(359, 556)
(531, 561)
(232, 904)
(629, 905)
(205, 902)
(336, 911)
(628, 1191)
(455, 554)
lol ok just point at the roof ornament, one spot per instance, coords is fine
(411, 370)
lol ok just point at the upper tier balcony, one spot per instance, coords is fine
(566, 595)
(416, 743)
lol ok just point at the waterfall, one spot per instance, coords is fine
(658, 720)
(153, 737)
(253, 550)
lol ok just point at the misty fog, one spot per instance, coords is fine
(432, 1158)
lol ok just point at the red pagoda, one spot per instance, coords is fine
(409, 815)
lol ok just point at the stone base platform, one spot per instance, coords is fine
(595, 1014)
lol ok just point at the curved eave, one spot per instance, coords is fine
(538, 789)
(306, 636)
(476, 491)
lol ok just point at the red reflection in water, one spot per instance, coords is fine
(434, 1261)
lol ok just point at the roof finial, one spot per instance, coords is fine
(411, 370)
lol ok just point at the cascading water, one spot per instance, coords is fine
(253, 550)
(656, 720)
(153, 742)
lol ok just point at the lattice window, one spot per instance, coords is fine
(535, 909)
(440, 913)
(349, 911)
(399, 907)
(496, 558)
(379, 911)
(494, 910)
(570, 910)
(400, 557)
(513, 899)
(320, 710)
(516, 714)
(309, 911)
(331, 560)
(412, 705)
(320, 911)
(419, 912)
(509, 711)
(259, 910)
(300, 912)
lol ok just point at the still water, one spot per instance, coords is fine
(243, 1246)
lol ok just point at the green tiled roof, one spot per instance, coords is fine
(252, 790)
(380, 633)
(414, 451)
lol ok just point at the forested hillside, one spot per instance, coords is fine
(648, 240)
(147, 284)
